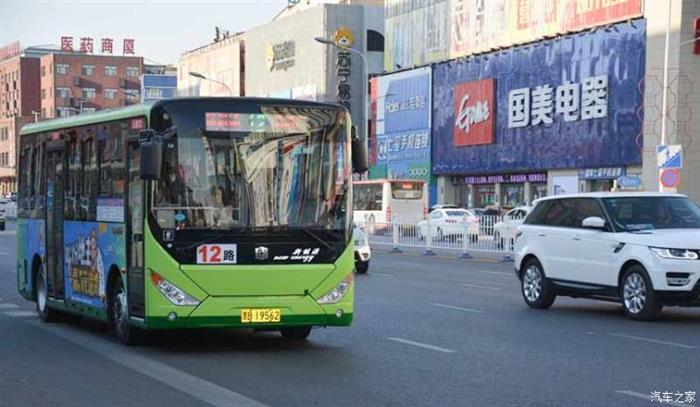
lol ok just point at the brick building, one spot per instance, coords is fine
(72, 83)
(19, 97)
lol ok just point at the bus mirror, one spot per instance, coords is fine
(151, 160)
(359, 154)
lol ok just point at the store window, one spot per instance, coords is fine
(601, 185)
(513, 195)
(539, 191)
(483, 196)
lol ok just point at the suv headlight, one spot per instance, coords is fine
(337, 293)
(172, 292)
(675, 254)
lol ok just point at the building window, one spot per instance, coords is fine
(110, 93)
(89, 110)
(110, 70)
(4, 133)
(43, 71)
(154, 93)
(89, 93)
(43, 94)
(132, 71)
(131, 94)
(63, 112)
(63, 92)
(62, 69)
(88, 70)
(43, 112)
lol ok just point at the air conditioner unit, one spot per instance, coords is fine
(76, 81)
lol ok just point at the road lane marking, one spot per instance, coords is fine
(404, 263)
(660, 342)
(19, 314)
(648, 397)
(476, 311)
(8, 306)
(422, 345)
(4, 254)
(376, 273)
(194, 386)
(485, 287)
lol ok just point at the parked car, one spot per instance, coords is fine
(639, 249)
(443, 206)
(363, 253)
(504, 231)
(2, 221)
(449, 223)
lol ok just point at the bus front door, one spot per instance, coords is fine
(135, 225)
(54, 219)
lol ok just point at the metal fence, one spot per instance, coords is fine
(472, 236)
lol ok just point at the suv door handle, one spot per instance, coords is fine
(576, 237)
(542, 234)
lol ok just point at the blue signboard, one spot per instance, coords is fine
(403, 125)
(573, 102)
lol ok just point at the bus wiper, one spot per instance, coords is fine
(208, 240)
(307, 231)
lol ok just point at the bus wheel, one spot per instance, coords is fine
(118, 313)
(298, 333)
(46, 314)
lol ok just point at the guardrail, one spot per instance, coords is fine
(470, 237)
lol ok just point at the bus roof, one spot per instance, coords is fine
(144, 109)
(85, 119)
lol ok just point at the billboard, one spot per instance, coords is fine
(402, 125)
(419, 32)
(415, 33)
(574, 102)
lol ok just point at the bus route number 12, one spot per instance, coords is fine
(217, 254)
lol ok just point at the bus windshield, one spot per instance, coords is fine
(283, 166)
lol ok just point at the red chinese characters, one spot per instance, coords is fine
(107, 45)
(128, 47)
(86, 45)
(67, 44)
(474, 113)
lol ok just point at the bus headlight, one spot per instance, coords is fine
(172, 292)
(336, 294)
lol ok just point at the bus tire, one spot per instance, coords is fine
(46, 313)
(118, 314)
(297, 333)
(361, 267)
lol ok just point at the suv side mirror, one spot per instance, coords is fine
(359, 153)
(151, 155)
(593, 222)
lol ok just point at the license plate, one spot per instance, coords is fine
(260, 315)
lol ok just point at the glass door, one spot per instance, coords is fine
(54, 218)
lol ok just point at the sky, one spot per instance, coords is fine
(162, 30)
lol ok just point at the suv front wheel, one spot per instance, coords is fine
(638, 296)
(535, 288)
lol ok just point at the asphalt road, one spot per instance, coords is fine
(428, 331)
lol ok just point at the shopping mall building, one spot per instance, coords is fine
(522, 102)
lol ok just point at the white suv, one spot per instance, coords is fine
(640, 249)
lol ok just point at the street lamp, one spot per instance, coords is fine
(200, 76)
(326, 41)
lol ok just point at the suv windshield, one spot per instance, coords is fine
(632, 214)
(279, 166)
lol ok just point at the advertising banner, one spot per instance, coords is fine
(403, 121)
(415, 33)
(573, 102)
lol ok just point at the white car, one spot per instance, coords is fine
(639, 249)
(449, 223)
(363, 253)
(504, 231)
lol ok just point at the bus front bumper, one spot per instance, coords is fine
(225, 312)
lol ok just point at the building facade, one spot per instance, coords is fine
(74, 83)
(19, 99)
(158, 82)
(282, 59)
(222, 61)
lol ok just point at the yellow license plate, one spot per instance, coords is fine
(260, 315)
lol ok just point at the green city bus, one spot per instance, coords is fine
(191, 213)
